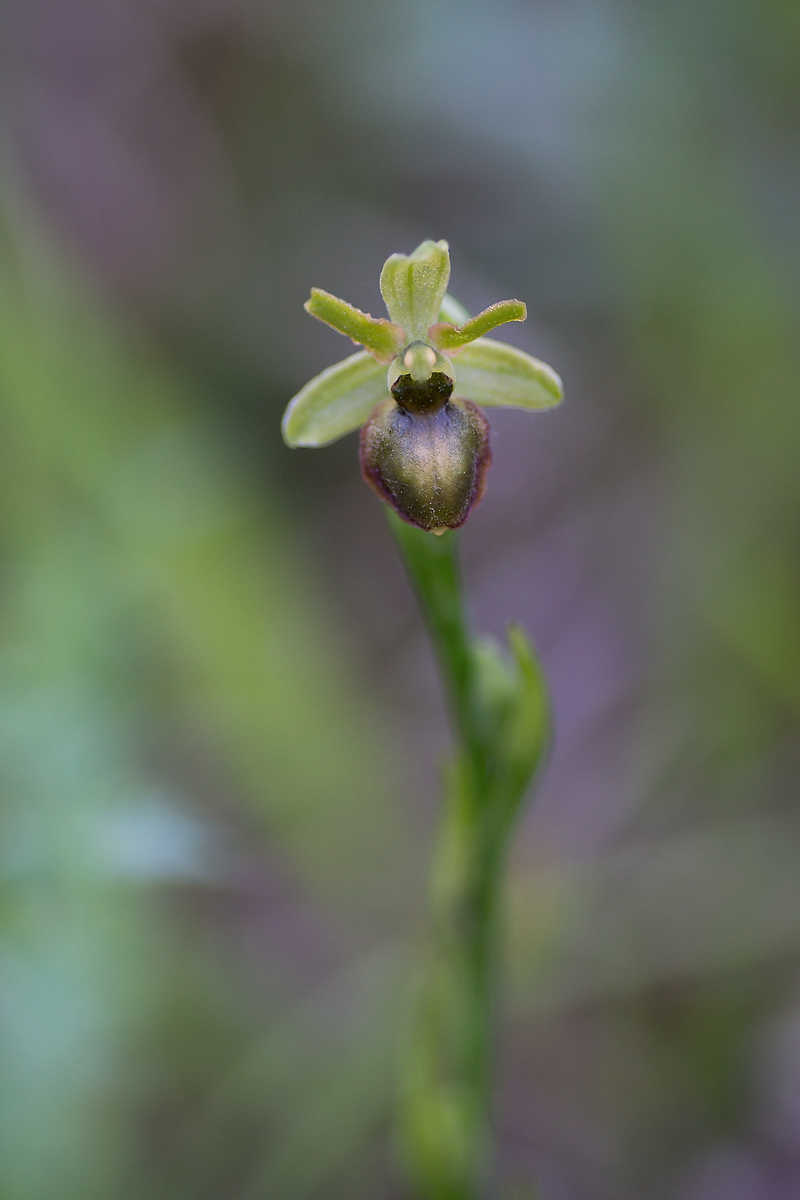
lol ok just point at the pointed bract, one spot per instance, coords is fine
(383, 339)
(413, 287)
(500, 376)
(335, 402)
(527, 735)
(451, 338)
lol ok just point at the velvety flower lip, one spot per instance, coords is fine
(424, 442)
(427, 454)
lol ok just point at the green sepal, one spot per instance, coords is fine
(413, 287)
(500, 376)
(450, 337)
(452, 310)
(380, 337)
(335, 402)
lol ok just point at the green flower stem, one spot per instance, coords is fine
(500, 719)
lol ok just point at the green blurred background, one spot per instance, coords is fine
(219, 722)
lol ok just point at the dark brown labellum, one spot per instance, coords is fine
(426, 454)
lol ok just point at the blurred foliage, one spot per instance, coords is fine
(150, 607)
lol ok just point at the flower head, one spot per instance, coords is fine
(424, 448)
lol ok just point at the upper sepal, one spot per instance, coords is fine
(335, 402)
(451, 338)
(413, 287)
(496, 375)
(377, 335)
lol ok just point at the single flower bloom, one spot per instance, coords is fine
(424, 440)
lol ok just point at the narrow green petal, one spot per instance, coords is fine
(496, 375)
(383, 339)
(413, 286)
(445, 336)
(335, 402)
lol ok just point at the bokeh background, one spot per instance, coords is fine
(220, 727)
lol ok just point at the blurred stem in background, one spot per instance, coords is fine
(500, 717)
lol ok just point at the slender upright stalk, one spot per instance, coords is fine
(499, 714)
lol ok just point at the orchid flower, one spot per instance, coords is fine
(424, 441)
